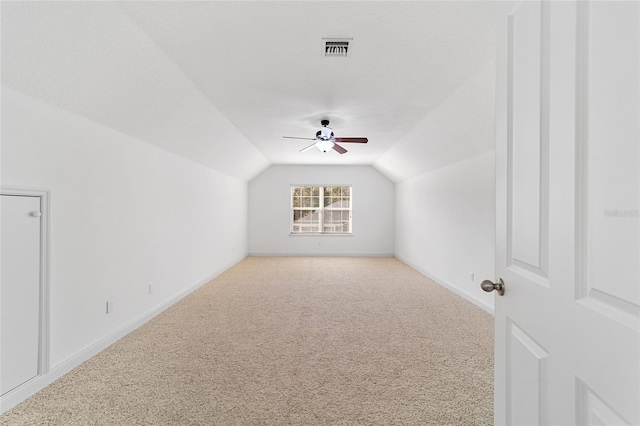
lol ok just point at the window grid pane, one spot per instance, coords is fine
(318, 209)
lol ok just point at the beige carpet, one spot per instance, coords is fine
(290, 341)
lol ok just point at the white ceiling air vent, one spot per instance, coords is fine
(336, 47)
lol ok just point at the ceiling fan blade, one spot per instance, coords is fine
(338, 148)
(308, 148)
(293, 137)
(352, 140)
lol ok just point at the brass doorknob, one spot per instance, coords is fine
(489, 286)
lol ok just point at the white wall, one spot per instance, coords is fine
(372, 215)
(445, 225)
(123, 214)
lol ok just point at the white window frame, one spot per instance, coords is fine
(321, 210)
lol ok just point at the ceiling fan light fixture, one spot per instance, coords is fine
(324, 145)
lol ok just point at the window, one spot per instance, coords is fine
(321, 209)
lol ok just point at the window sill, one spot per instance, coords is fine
(320, 234)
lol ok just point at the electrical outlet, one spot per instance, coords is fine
(151, 288)
(109, 306)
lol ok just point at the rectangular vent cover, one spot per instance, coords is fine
(336, 47)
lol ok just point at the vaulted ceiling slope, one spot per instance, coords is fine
(461, 127)
(92, 59)
(221, 82)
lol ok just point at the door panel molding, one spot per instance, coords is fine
(600, 295)
(528, 377)
(592, 410)
(528, 141)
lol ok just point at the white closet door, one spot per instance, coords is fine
(19, 290)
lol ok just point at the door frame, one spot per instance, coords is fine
(43, 329)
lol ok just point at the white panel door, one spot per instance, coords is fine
(19, 290)
(568, 231)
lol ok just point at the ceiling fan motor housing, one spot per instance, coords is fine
(324, 134)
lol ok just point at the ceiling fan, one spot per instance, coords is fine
(325, 140)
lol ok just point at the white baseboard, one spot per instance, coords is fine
(21, 393)
(302, 254)
(457, 290)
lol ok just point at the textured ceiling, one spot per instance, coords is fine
(222, 82)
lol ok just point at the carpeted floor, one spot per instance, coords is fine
(290, 341)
